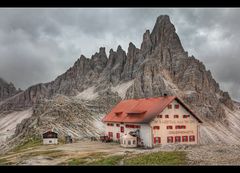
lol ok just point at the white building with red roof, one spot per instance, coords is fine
(155, 121)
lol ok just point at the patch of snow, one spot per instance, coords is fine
(88, 94)
(121, 89)
(9, 122)
(189, 92)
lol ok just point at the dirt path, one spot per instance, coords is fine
(57, 154)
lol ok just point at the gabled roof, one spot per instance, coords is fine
(50, 134)
(141, 110)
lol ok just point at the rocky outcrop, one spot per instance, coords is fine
(7, 90)
(24, 99)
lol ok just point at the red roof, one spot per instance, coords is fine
(141, 110)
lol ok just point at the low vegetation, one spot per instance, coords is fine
(157, 158)
(85, 160)
(108, 161)
(30, 143)
(3, 161)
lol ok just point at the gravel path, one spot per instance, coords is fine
(196, 154)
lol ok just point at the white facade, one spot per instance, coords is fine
(47, 141)
(184, 128)
(190, 125)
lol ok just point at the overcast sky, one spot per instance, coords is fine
(37, 45)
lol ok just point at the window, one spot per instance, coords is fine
(176, 116)
(50, 141)
(169, 106)
(134, 142)
(129, 142)
(118, 125)
(186, 116)
(110, 124)
(132, 126)
(169, 127)
(159, 116)
(177, 139)
(184, 138)
(122, 129)
(137, 126)
(166, 116)
(176, 106)
(110, 134)
(169, 139)
(156, 127)
(191, 138)
(118, 135)
(157, 140)
(180, 127)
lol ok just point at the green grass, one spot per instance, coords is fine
(85, 160)
(3, 161)
(158, 158)
(108, 161)
(77, 161)
(31, 142)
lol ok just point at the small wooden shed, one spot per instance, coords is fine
(50, 137)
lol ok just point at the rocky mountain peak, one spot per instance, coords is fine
(163, 35)
(119, 48)
(111, 51)
(102, 51)
(7, 89)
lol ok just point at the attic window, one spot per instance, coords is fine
(118, 113)
(186, 116)
(176, 116)
(159, 116)
(169, 106)
(176, 106)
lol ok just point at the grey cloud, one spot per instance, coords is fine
(36, 45)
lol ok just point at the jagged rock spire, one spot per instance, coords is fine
(164, 35)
